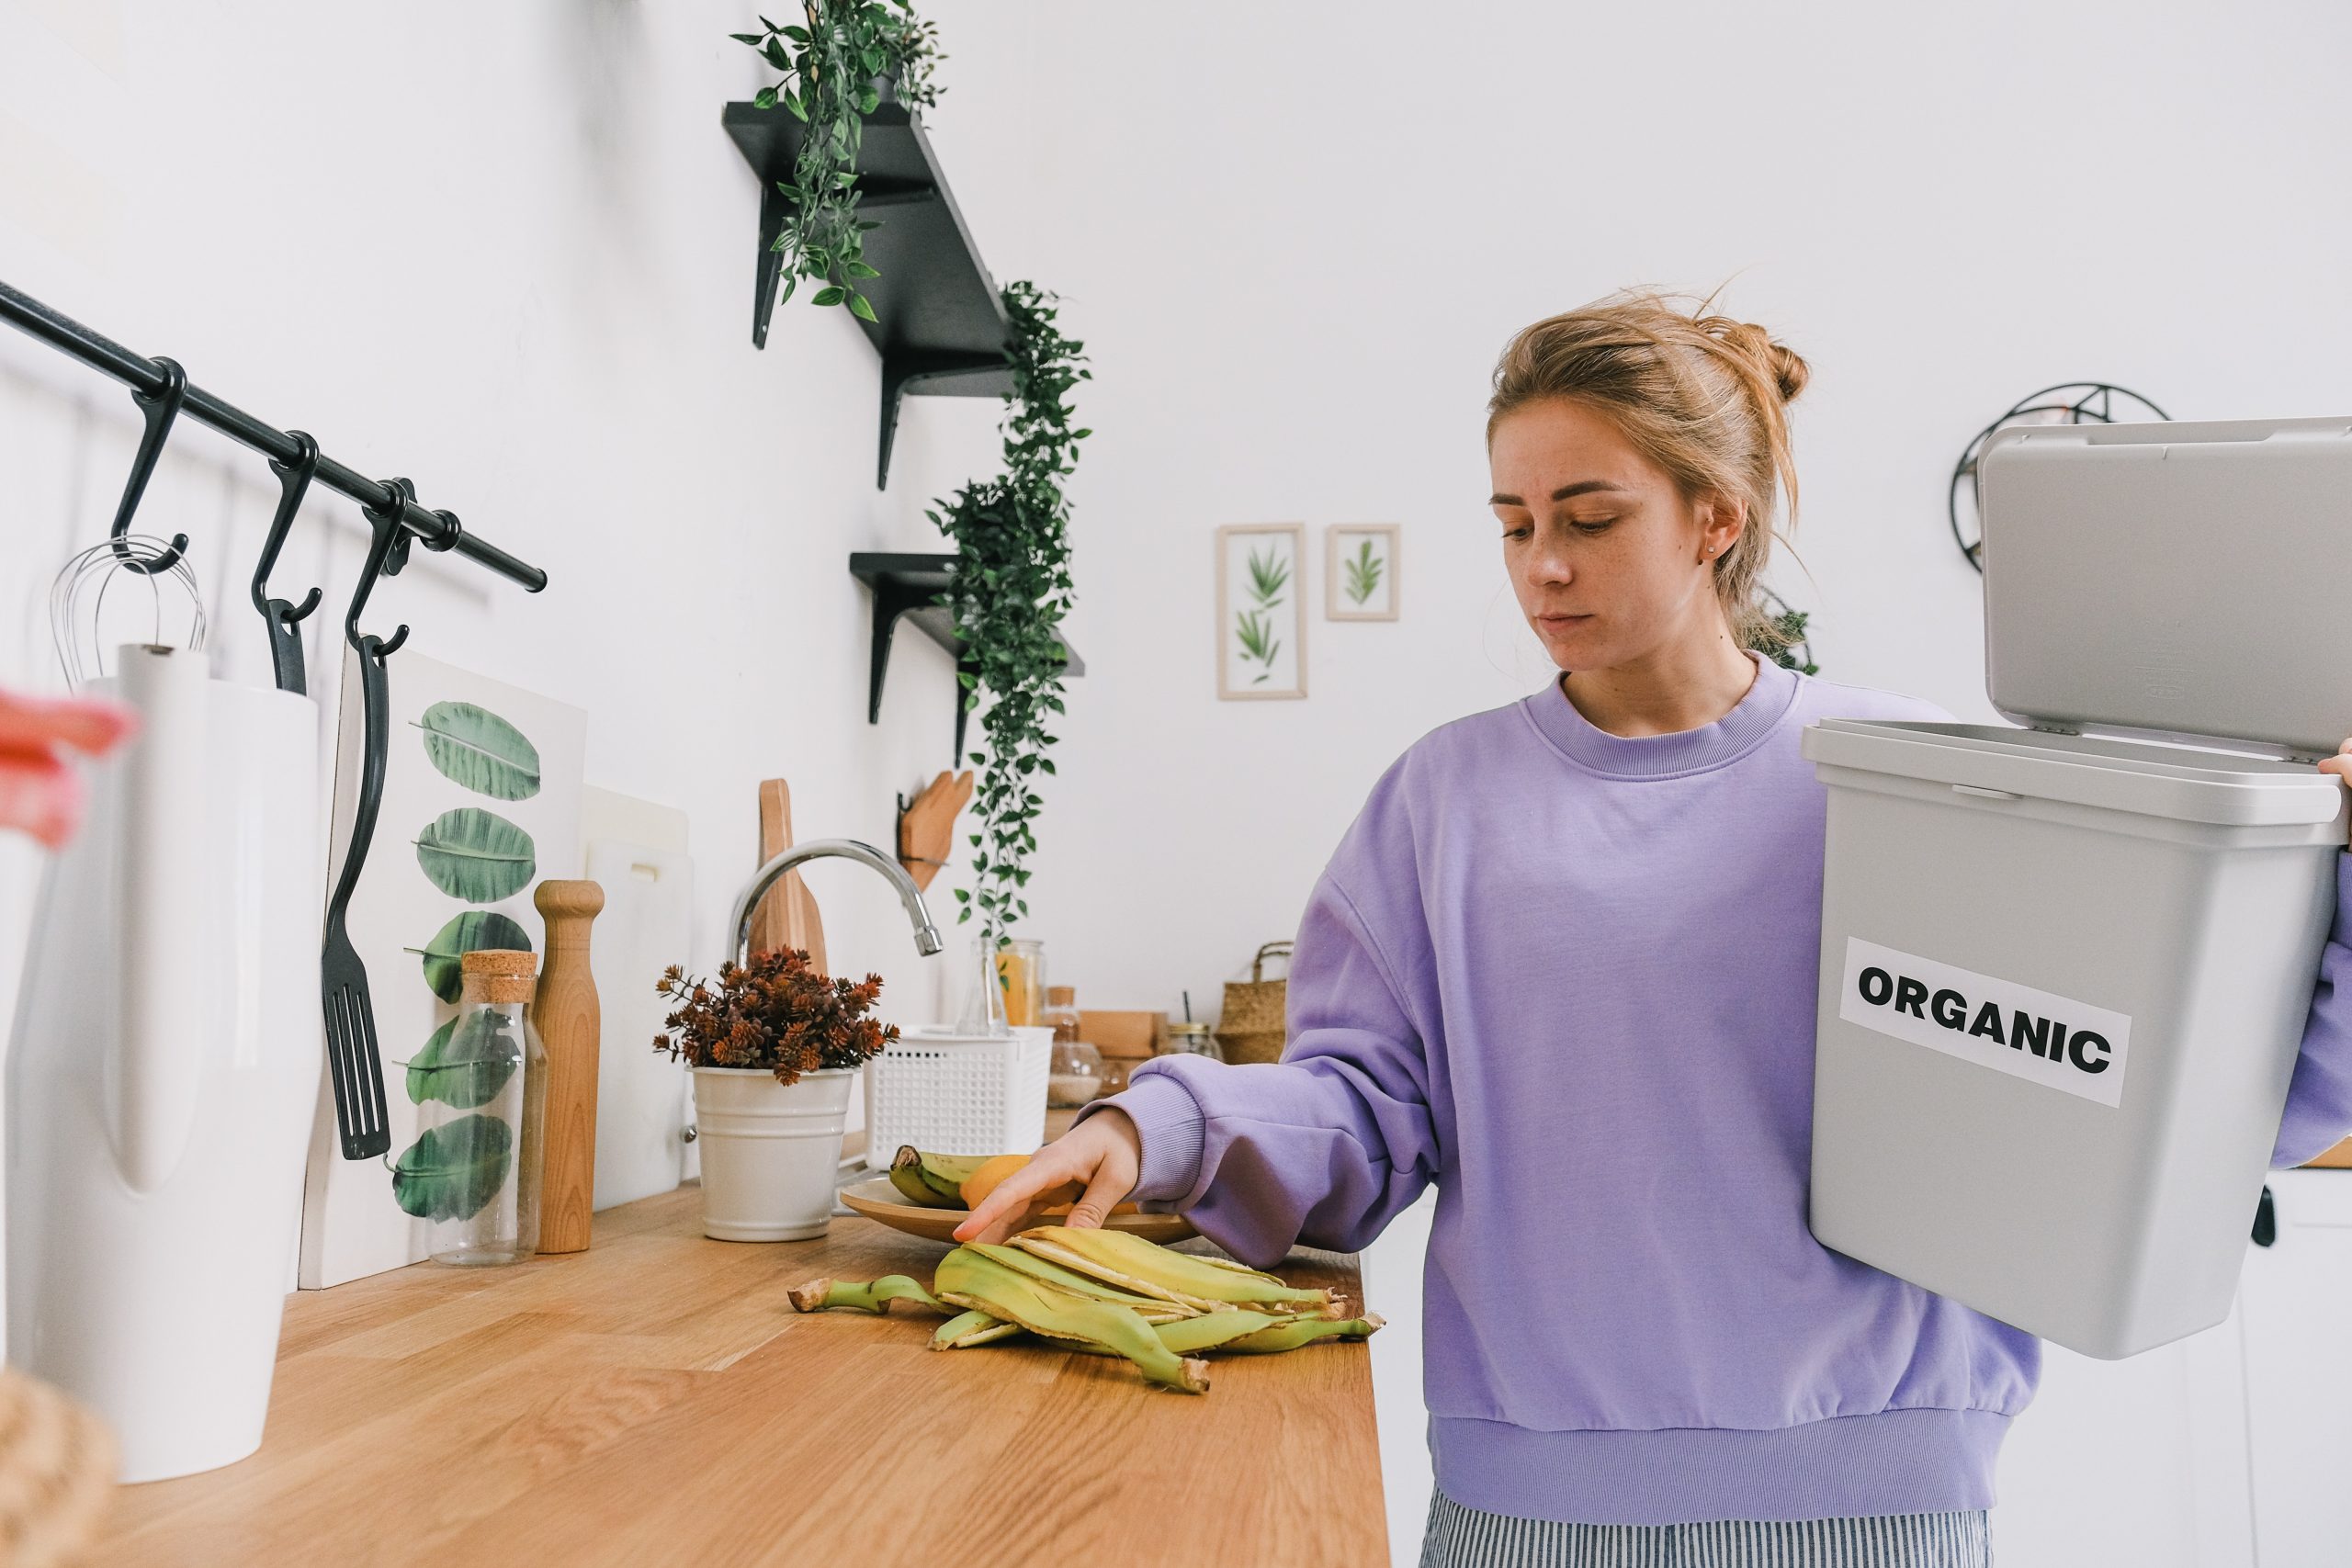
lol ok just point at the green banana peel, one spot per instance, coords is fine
(1298, 1331)
(969, 1328)
(818, 1295)
(972, 1279)
(1152, 1309)
(1128, 1262)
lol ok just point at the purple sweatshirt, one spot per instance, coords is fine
(1569, 977)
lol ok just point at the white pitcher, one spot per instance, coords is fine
(164, 1070)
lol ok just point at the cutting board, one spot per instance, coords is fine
(787, 915)
(641, 1095)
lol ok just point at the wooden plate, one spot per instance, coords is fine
(877, 1200)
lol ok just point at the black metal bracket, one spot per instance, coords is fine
(907, 586)
(939, 325)
(916, 372)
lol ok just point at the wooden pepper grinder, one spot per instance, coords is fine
(568, 1023)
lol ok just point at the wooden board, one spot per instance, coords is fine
(655, 1400)
(787, 916)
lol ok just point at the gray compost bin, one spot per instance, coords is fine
(2064, 975)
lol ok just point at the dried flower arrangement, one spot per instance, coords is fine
(774, 1012)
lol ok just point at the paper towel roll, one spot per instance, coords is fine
(151, 1088)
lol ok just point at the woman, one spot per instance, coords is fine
(1563, 966)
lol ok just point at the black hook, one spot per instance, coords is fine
(161, 409)
(293, 480)
(387, 553)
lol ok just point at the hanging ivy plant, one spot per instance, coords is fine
(829, 67)
(1011, 590)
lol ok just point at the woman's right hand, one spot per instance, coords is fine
(1103, 1153)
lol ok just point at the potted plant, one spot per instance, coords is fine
(775, 1046)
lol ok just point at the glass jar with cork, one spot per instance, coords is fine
(1075, 1075)
(479, 1085)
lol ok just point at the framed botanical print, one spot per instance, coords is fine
(1261, 609)
(1360, 571)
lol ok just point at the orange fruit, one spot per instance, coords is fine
(991, 1173)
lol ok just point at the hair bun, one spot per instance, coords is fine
(1788, 370)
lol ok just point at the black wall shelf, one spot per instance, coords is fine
(940, 329)
(905, 585)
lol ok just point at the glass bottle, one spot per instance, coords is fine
(479, 1087)
(982, 1009)
(1022, 964)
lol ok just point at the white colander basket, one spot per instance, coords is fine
(959, 1094)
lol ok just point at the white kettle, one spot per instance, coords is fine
(165, 1068)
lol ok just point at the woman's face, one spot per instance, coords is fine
(1608, 561)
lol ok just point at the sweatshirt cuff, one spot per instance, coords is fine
(1169, 1121)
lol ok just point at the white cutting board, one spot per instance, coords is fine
(641, 1095)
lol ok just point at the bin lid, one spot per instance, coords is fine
(2180, 580)
(2153, 779)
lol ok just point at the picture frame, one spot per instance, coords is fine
(1360, 571)
(1261, 611)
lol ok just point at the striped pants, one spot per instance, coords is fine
(1469, 1538)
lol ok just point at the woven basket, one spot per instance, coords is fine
(1251, 1027)
(57, 1463)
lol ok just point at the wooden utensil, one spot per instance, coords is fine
(787, 916)
(877, 1200)
(927, 825)
(566, 1012)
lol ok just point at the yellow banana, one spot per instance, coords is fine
(972, 1279)
(1128, 1262)
(1152, 1309)
(975, 1327)
(819, 1294)
(935, 1181)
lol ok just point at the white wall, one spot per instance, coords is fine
(505, 250)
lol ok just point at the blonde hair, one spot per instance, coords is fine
(1701, 397)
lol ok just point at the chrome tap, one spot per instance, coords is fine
(927, 938)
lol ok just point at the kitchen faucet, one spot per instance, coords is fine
(927, 938)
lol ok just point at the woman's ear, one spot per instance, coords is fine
(1722, 519)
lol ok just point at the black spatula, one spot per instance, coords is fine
(355, 1065)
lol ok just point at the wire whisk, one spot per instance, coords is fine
(77, 599)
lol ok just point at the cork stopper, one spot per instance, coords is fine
(498, 975)
(1061, 996)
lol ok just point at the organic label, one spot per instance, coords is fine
(2043, 1038)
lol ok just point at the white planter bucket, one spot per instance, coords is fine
(769, 1153)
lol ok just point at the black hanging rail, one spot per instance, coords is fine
(434, 530)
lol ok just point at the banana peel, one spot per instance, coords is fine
(818, 1295)
(971, 1279)
(969, 1328)
(1143, 1268)
(1152, 1309)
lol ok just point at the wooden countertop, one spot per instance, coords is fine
(655, 1400)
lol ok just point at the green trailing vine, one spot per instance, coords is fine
(1788, 632)
(1011, 590)
(829, 68)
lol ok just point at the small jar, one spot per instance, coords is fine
(1075, 1076)
(1193, 1040)
(479, 1085)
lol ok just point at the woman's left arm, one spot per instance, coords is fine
(2319, 1098)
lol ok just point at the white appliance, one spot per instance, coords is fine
(164, 1065)
(2064, 975)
